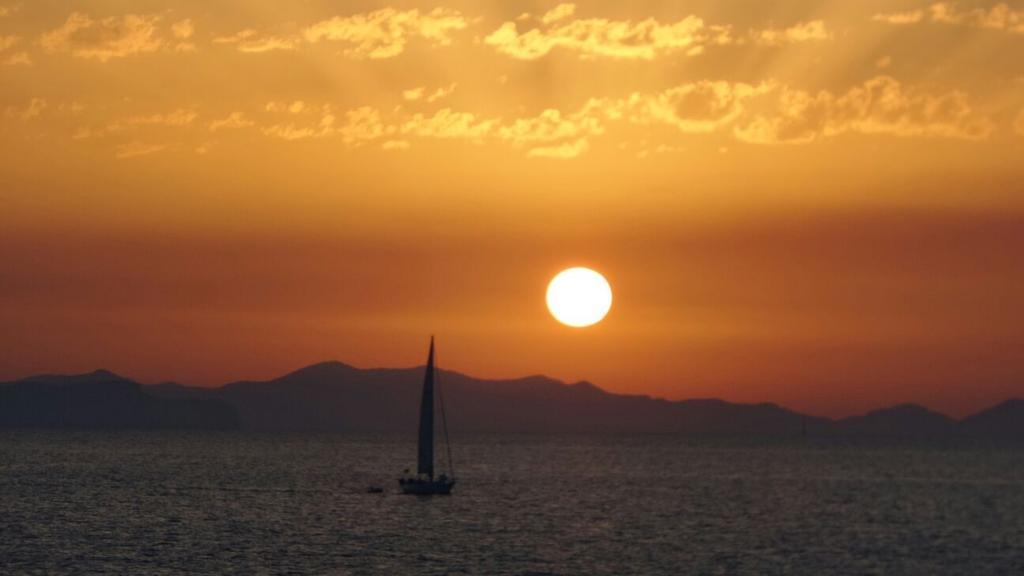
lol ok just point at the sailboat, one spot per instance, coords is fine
(424, 483)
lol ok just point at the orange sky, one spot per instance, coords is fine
(819, 204)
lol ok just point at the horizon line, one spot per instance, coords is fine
(520, 378)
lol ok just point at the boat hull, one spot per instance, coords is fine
(426, 487)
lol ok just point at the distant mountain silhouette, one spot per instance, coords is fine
(103, 400)
(902, 421)
(1005, 420)
(333, 396)
(336, 397)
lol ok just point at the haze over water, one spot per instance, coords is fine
(186, 503)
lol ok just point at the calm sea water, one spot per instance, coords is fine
(177, 503)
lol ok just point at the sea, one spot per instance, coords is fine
(153, 503)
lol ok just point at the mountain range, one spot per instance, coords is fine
(335, 397)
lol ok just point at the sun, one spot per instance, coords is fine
(579, 297)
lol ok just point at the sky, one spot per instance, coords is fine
(818, 204)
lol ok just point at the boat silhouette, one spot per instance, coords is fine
(424, 483)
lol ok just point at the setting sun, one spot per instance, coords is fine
(579, 297)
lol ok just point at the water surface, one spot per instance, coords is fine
(188, 503)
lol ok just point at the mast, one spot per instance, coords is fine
(425, 464)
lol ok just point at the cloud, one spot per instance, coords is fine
(442, 92)
(998, 17)
(291, 131)
(551, 130)
(177, 118)
(6, 11)
(232, 121)
(764, 113)
(550, 133)
(1018, 125)
(294, 107)
(900, 18)
(414, 93)
(20, 58)
(599, 37)
(384, 33)
(642, 40)
(249, 41)
(880, 105)
(107, 38)
(33, 109)
(73, 108)
(812, 31)
(307, 122)
(183, 30)
(560, 12)
(17, 59)
(135, 149)
(694, 108)
(420, 93)
(364, 124)
(446, 123)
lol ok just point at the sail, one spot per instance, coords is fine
(426, 441)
